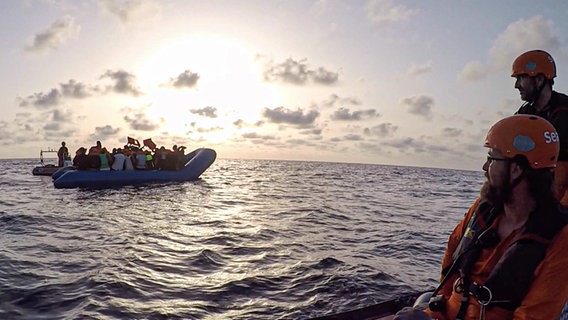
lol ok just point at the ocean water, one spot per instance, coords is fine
(249, 240)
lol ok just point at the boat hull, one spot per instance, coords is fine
(46, 170)
(386, 310)
(197, 162)
(381, 311)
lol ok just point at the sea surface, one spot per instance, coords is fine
(249, 240)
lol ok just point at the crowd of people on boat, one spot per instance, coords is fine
(130, 157)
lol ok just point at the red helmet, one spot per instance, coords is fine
(530, 136)
(534, 62)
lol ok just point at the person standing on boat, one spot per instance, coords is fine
(62, 155)
(507, 258)
(535, 71)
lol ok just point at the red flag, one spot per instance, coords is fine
(150, 144)
(133, 141)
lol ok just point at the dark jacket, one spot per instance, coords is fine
(556, 111)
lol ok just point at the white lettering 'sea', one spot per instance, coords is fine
(550, 137)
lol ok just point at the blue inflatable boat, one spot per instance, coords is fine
(197, 162)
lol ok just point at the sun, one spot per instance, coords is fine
(230, 81)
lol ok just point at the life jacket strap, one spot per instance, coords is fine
(485, 297)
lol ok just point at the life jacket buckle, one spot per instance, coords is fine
(482, 293)
(458, 285)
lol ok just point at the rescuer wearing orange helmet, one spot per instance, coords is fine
(535, 71)
(507, 258)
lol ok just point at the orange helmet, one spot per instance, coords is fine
(530, 136)
(534, 62)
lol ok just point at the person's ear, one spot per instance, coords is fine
(540, 80)
(515, 170)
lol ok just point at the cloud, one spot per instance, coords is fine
(124, 82)
(405, 144)
(76, 89)
(420, 146)
(382, 130)
(104, 132)
(301, 142)
(298, 73)
(352, 137)
(241, 123)
(314, 131)
(62, 116)
(256, 136)
(335, 100)
(71, 89)
(55, 35)
(344, 114)
(212, 129)
(129, 11)
(419, 105)
(283, 115)
(45, 125)
(209, 112)
(25, 127)
(384, 12)
(438, 149)
(55, 130)
(418, 70)
(52, 126)
(452, 132)
(289, 71)
(518, 37)
(186, 79)
(141, 122)
(322, 76)
(475, 71)
(524, 35)
(41, 100)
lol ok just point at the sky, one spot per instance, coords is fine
(412, 83)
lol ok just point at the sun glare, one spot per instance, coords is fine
(229, 81)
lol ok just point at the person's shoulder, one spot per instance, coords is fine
(559, 105)
(559, 97)
(559, 94)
